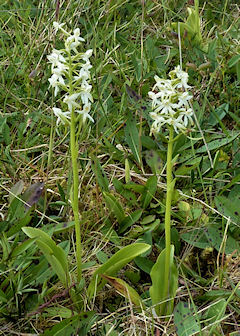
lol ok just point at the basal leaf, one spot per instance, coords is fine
(76, 325)
(228, 207)
(133, 138)
(186, 323)
(55, 254)
(127, 291)
(196, 237)
(22, 247)
(130, 220)
(16, 190)
(100, 174)
(19, 222)
(114, 264)
(161, 306)
(215, 144)
(145, 264)
(151, 188)
(216, 311)
(114, 206)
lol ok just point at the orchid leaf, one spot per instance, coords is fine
(157, 289)
(124, 289)
(114, 264)
(54, 254)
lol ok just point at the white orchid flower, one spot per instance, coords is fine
(182, 76)
(85, 113)
(71, 73)
(73, 41)
(70, 100)
(169, 103)
(61, 116)
(56, 58)
(55, 81)
(87, 55)
(59, 26)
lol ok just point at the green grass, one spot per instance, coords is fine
(132, 42)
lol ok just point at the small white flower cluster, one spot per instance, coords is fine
(71, 76)
(170, 103)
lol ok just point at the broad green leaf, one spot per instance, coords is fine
(217, 143)
(216, 311)
(76, 325)
(124, 192)
(127, 291)
(157, 289)
(56, 265)
(228, 207)
(214, 314)
(148, 219)
(16, 190)
(154, 161)
(20, 222)
(100, 175)
(186, 323)
(16, 211)
(5, 132)
(148, 142)
(210, 237)
(133, 138)
(55, 311)
(145, 264)
(130, 220)
(215, 238)
(114, 264)
(5, 247)
(217, 294)
(185, 170)
(58, 228)
(137, 63)
(230, 184)
(43, 236)
(135, 187)
(55, 254)
(234, 60)
(109, 233)
(218, 114)
(22, 247)
(196, 237)
(150, 190)
(3, 297)
(114, 206)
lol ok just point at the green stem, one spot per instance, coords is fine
(74, 158)
(168, 214)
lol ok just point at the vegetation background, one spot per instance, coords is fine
(131, 41)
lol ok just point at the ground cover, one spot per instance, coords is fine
(111, 280)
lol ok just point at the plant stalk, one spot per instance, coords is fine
(168, 214)
(74, 159)
(75, 207)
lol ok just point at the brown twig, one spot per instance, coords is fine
(65, 293)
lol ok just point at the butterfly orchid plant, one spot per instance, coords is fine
(171, 110)
(70, 80)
